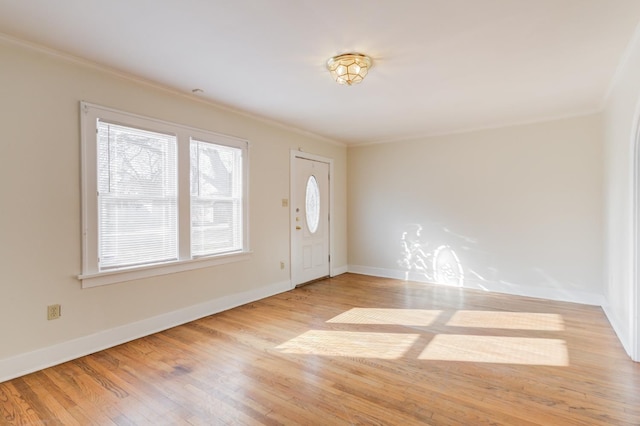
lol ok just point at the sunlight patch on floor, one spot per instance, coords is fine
(350, 344)
(406, 317)
(497, 349)
(507, 320)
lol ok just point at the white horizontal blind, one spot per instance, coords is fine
(137, 197)
(216, 199)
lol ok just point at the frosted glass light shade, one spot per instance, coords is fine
(350, 68)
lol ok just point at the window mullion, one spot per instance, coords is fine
(184, 196)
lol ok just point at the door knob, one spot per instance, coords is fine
(298, 228)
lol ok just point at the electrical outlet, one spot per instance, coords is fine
(53, 312)
(281, 265)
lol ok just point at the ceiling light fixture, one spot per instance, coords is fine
(349, 68)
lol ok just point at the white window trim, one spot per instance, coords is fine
(91, 275)
(147, 271)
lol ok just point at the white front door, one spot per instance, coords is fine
(309, 220)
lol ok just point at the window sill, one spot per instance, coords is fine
(121, 275)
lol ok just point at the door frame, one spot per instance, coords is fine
(635, 289)
(292, 173)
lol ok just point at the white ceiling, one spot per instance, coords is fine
(440, 66)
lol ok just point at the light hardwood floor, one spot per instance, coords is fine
(351, 350)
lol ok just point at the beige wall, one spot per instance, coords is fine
(40, 249)
(621, 115)
(521, 208)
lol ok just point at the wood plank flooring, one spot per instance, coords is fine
(351, 350)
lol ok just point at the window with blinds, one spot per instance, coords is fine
(158, 197)
(137, 197)
(216, 198)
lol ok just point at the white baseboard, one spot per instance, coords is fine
(623, 332)
(559, 294)
(39, 359)
(339, 271)
(378, 272)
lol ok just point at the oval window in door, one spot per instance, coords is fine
(312, 204)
